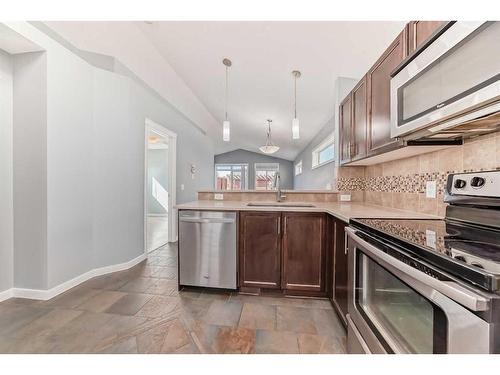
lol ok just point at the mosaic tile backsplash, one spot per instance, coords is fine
(401, 183)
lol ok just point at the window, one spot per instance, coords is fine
(298, 168)
(231, 176)
(264, 175)
(323, 153)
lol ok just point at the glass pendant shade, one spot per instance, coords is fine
(226, 129)
(269, 149)
(295, 129)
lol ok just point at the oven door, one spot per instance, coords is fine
(453, 80)
(399, 309)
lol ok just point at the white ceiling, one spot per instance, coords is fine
(263, 56)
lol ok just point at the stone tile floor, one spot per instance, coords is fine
(141, 311)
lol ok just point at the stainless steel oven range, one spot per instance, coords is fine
(429, 286)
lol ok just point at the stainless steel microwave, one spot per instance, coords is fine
(451, 89)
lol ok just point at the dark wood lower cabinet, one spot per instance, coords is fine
(285, 251)
(340, 270)
(304, 252)
(260, 250)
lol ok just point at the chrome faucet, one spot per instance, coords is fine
(276, 185)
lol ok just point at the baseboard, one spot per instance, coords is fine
(44, 295)
(6, 294)
(158, 215)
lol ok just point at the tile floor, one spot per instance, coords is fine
(141, 311)
(157, 235)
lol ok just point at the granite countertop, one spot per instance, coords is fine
(292, 191)
(342, 210)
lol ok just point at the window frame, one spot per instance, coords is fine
(277, 169)
(245, 165)
(330, 141)
(298, 165)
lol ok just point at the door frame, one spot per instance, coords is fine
(150, 125)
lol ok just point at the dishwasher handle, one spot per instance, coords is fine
(206, 220)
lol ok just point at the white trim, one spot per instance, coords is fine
(330, 140)
(158, 215)
(299, 163)
(44, 295)
(6, 294)
(150, 125)
(232, 164)
(324, 163)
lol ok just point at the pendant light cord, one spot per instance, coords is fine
(227, 89)
(295, 97)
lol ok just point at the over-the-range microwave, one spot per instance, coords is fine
(450, 89)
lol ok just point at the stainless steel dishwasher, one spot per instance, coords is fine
(207, 249)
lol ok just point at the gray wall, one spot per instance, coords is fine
(30, 170)
(157, 169)
(320, 177)
(250, 158)
(6, 204)
(79, 164)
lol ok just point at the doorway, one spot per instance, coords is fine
(159, 186)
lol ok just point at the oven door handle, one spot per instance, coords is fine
(451, 289)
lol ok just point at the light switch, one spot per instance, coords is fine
(430, 189)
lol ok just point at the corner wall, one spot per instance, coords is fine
(6, 178)
(321, 177)
(79, 177)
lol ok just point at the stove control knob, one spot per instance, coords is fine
(460, 184)
(477, 182)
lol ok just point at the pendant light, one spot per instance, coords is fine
(225, 124)
(269, 147)
(295, 122)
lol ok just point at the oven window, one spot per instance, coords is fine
(403, 320)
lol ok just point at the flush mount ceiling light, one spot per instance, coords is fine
(295, 122)
(153, 139)
(225, 124)
(269, 147)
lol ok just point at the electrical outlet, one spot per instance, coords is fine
(430, 189)
(182, 186)
(430, 238)
(345, 197)
(219, 197)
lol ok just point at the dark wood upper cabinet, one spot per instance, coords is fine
(345, 129)
(340, 269)
(359, 120)
(260, 249)
(304, 251)
(420, 31)
(378, 86)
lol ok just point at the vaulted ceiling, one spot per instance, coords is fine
(263, 56)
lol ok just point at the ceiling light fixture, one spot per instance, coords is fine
(269, 147)
(225, 124)
(295, 122)
(153, 139)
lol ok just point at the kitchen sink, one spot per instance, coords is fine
(279, 204)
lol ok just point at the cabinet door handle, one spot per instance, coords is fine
(284, 229)
(279, 225)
